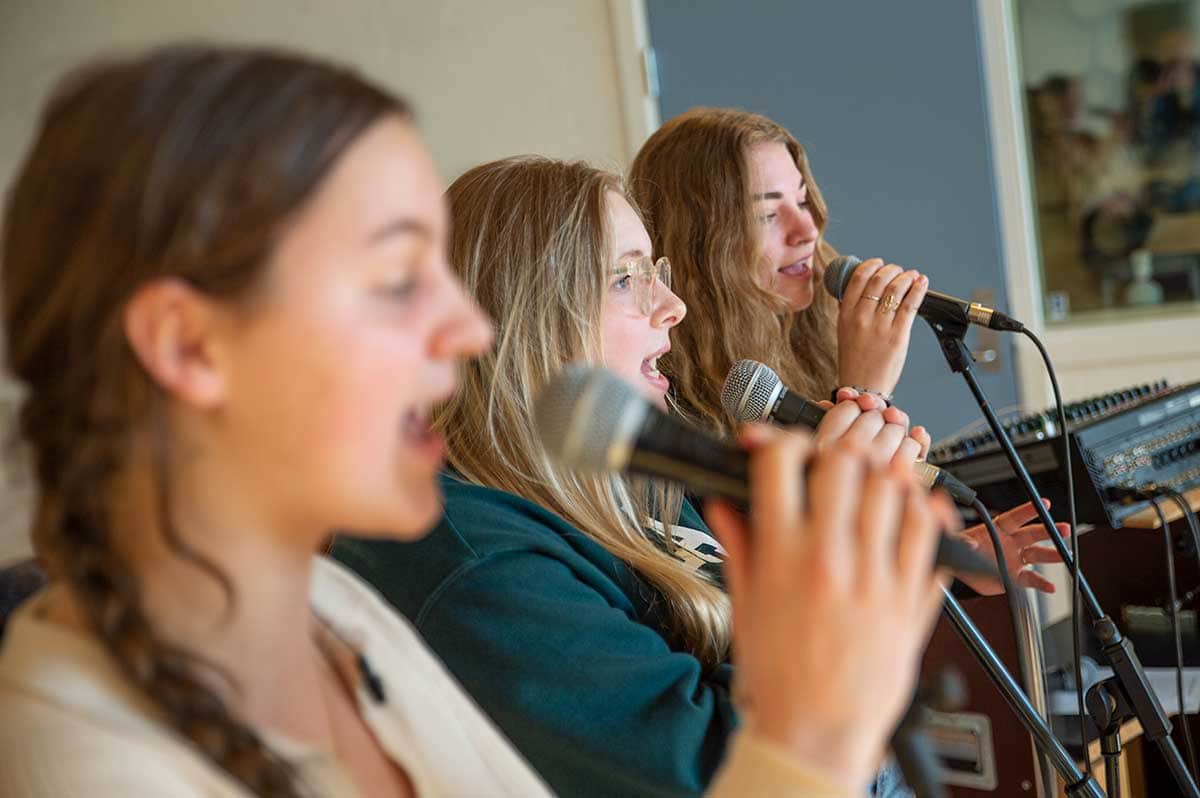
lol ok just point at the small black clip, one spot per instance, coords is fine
(373, 683)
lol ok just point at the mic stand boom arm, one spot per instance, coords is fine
(1117, 650)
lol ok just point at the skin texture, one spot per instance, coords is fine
(631, 340)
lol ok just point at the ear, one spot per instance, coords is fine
(174, 330)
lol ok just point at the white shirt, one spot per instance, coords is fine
(71, 724)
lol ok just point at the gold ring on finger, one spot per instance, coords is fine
(872, 297)
(890, 303)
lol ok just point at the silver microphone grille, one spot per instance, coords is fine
(588, 419)
(837, 274)
(750, 391)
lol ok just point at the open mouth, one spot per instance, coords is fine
(420, 437)
(801, 268)
(652, 374)
(415, 425)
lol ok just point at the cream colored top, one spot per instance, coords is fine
(71, 724)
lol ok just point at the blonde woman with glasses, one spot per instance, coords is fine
(587, 615)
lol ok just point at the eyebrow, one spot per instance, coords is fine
(636, 251)
(773, 195)
(399, 227)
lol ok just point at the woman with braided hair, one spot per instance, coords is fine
(220, 268)
(225, 293)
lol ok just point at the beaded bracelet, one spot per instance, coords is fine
(886, 397)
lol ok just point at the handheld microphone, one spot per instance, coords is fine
(589, 420)
(754, 392)
(936, 306)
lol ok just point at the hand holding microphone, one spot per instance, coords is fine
(878, 306)
(754, 392)
(881, 430)
(874, 322)
(846, 273)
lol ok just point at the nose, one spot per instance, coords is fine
(669, 309)
(802, 227)
(466, 330)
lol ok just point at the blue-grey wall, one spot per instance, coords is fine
(889, 100)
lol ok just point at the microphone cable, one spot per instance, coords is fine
(1176, 632)
(1014, 613)
(1193, 527)
(1076, 600)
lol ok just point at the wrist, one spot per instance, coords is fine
(840, 755)
(885, 396)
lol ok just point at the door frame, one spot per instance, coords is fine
(637, 78)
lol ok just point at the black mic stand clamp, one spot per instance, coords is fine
(1109, 710)
(1130, 678)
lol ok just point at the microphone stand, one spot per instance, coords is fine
(1078, 783)
(1129, 674)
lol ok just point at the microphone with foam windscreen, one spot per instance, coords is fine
(589, 420)
(754, 392)
(936, 306)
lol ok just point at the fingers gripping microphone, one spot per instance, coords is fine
(936, 306)
(754, 392)
(589, 420)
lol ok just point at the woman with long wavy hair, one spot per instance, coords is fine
(586, 614)
(730, 198)
(226, 298)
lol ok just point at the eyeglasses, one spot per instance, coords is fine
(644, 275)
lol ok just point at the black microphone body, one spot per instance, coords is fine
(590, 420)
(754, 392)
(936, 306)
(791, 409)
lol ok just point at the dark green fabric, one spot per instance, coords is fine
(559, 642)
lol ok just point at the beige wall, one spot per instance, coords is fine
(488, 79)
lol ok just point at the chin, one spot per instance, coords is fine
(799, 302)
(420, 512)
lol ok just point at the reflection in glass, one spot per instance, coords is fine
(1113, 110)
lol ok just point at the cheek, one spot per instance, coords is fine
(624, 340)
(343, 374)
(772, 249)
(368, 381)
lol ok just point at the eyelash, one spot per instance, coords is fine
(401, 290)
(624, 283)
(770, 217)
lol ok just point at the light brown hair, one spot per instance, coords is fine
(185, 163)
(529, 239)
(692, 181)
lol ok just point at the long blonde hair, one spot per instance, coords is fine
(529, 239)
(692, 181)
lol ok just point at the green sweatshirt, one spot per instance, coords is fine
(561, 643)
